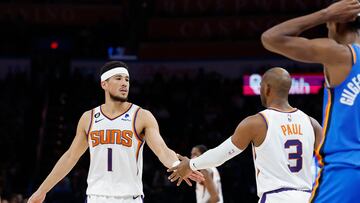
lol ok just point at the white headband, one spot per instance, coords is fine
(118, 70)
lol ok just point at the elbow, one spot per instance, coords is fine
(266, 39)
(273, 42)
(272, 38)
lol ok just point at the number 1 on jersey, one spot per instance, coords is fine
(109, 159)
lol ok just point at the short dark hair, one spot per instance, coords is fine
(112, 64)
(202, 148)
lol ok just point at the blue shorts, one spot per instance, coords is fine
(337, 184)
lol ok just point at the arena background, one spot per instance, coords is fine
(187, 62)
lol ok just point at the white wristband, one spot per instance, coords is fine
(175, 163)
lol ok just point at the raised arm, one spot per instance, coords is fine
(67, 160)
(284, 38)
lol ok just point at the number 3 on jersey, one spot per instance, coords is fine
(297, 155)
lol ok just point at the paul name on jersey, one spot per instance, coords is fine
(291, 129)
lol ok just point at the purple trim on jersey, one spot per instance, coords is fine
(264, 120)
(136, 134)
(141, 144)
(292, 111)
(91, 121)
(137, 156)
(263, 197)
(115, 116)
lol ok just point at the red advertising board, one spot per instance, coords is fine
(307, 83)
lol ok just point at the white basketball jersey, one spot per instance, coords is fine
(202, 194)
(116, 159)
(284, 158)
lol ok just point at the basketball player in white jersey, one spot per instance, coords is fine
(283, 140)
(209, 190)
(115, 132)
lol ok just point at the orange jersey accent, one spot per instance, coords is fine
(291, 129)
(113, 136)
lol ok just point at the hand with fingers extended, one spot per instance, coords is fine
(183, 171)
(343, 11)
(194, 176)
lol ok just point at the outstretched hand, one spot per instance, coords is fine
(37, 197)
(343, 11)
(183, 171)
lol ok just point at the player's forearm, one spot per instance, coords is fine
(213, 199)
(167, 157)
(294, 27)
(216, 156)
(60, 170)
(214, 196)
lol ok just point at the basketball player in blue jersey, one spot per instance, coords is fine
(339, 153)
(115, 133)
(283, 140)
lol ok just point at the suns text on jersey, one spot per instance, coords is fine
(351, 91)
(111, 136)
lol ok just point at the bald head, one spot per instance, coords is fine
(279, 80)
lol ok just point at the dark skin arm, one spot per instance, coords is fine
(251, 129)
(318, 138)
(284, 39)
(210, 186)
(318, 132)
